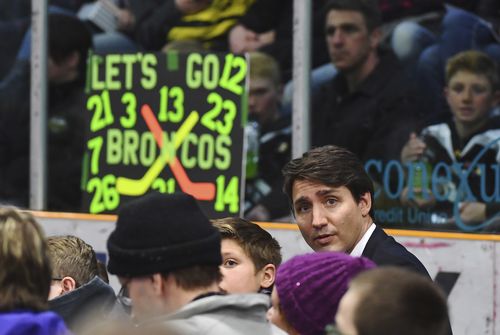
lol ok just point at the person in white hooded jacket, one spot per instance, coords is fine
(166, 254)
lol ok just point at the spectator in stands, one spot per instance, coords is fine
(250, 256)
(66, 7)
(25, 278)
(331, 196)
(76, 292)
(468, 142)
(392, 301)
(14, 21)
(69, 5)
(417, 28)
(369, 106)
(264, 199)
(309, 288)
(159, 22)
(167, 254)
(474, 26)
(15, 32)
(268, 27)
(68, 45)
(392, 12)
(120, 40)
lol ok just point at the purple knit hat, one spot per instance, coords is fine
(310, 287)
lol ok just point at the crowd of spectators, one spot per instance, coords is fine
(379, 76)
(182, 274)
(394, 81)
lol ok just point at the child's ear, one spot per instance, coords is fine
(68, 284)
(268, 275)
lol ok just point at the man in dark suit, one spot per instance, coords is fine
(332, 196)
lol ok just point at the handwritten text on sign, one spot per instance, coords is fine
(165, 123)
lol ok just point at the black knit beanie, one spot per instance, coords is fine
(158, 233)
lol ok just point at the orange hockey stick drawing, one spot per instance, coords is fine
(137, 187)
(201, 191)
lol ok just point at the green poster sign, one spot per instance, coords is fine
(165, 122)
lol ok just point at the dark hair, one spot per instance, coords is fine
(256, 242)
(330, 165)
(102, 272)
(24, 264)
(368, 8)
(411, 303)
(196, 277)
(66, 35)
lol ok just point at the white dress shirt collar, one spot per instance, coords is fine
(360, 246)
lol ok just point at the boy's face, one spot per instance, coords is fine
(470, 97)
(263, 100)
(346, 312)
(238, 270)
(276, 316)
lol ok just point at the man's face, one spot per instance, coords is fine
(328, 217)
(470, 97)
(344, 319)
(348, 40)
(145, 302)
(238, 270)
(63, 71)
(263, 100)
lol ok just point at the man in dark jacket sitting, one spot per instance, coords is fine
(368, 106)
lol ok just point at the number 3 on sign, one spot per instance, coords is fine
(227, 195)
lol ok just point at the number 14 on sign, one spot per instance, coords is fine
(227, 194)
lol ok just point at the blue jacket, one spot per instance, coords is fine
(91, 302)
(32, 323)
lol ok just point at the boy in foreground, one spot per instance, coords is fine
(250, 256)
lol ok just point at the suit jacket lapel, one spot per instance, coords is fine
(377, 237)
